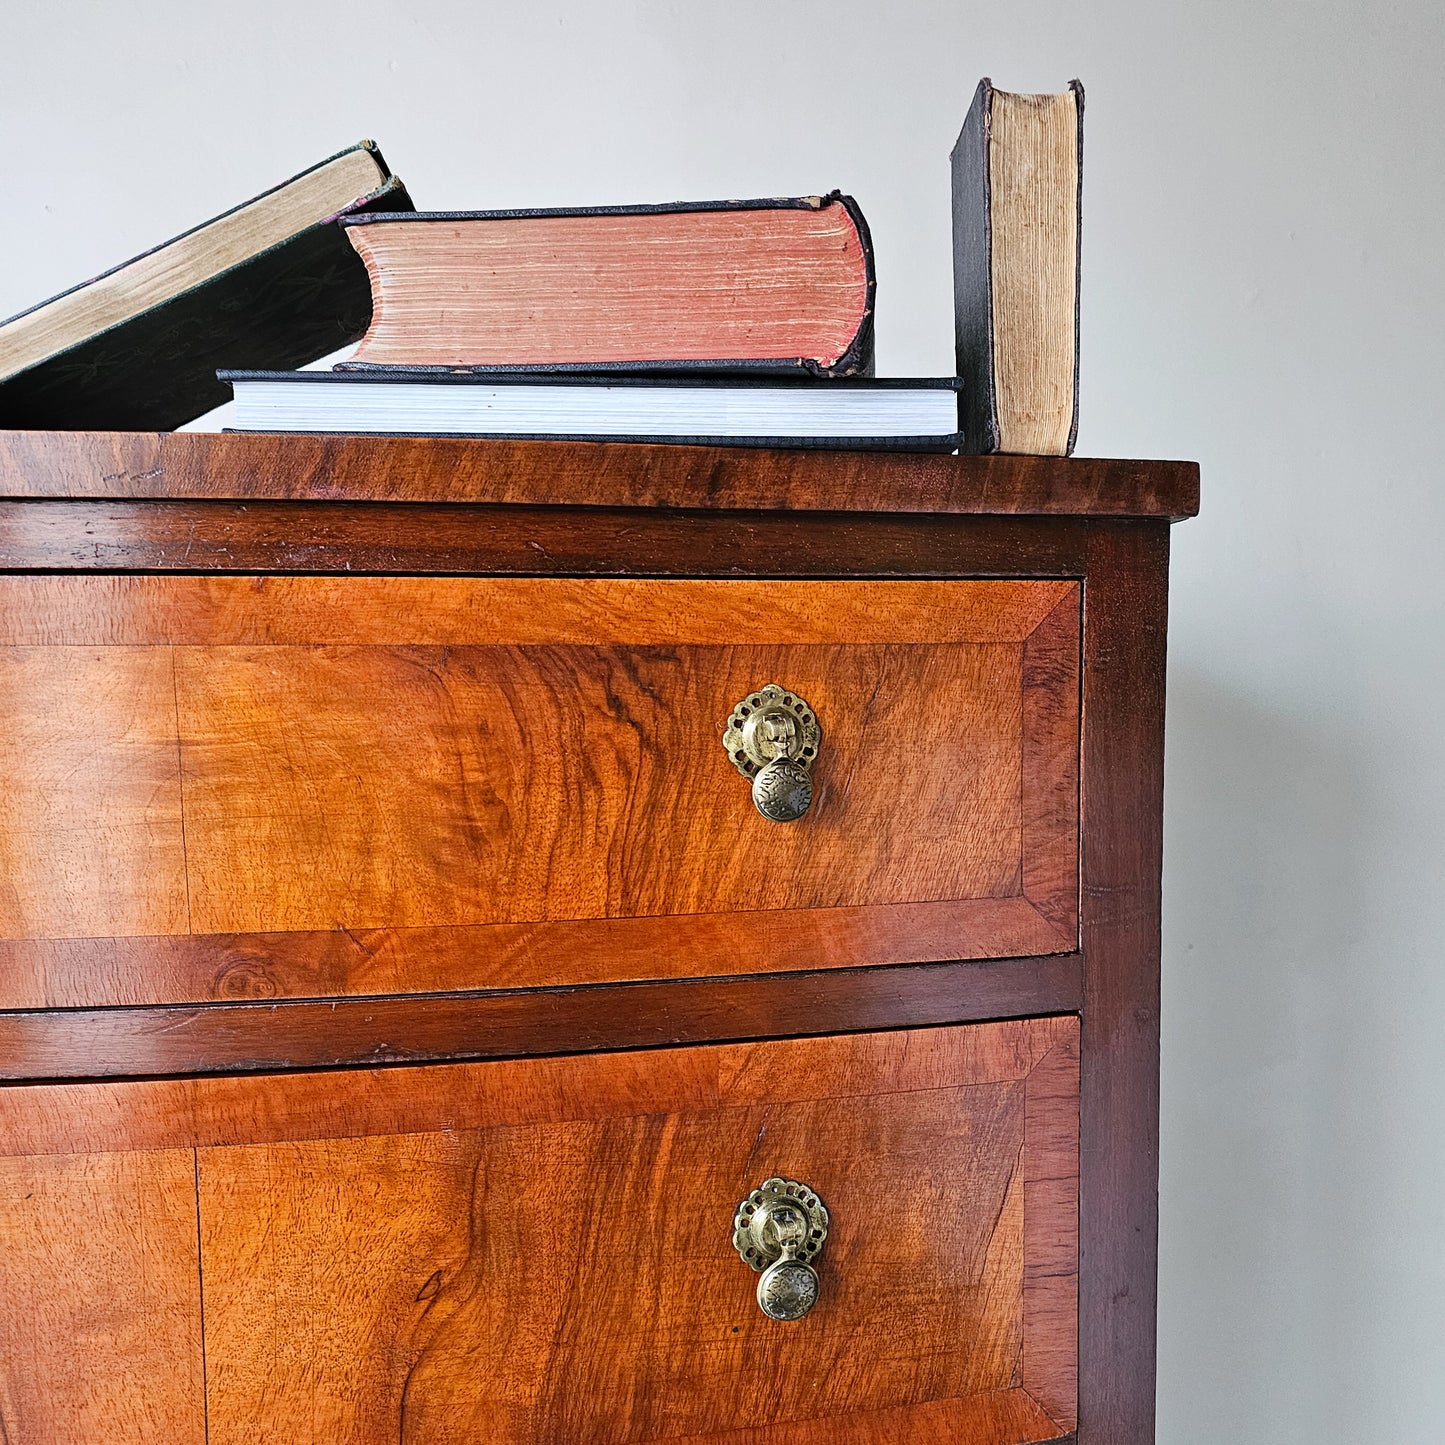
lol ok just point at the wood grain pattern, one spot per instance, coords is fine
(213, 1038)
(867, 516)
(353, 1283)
(370, 797)
(160, 969)
(1125, 612)
(414, 537)
(1049, 768)
(358, 1103)
(1050, 1366)
(97, 611)
(441, 469)
(378, 788)
(90, 811)
(999, 1417)
(100, 1309)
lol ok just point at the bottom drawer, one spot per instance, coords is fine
(543, 1250)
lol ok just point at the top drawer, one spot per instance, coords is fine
(231, 787)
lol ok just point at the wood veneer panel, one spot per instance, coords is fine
(90, 812)
(213, 1038)
(442, 469)
(341, 797)
(218, 967)
(519, 1246)
(997, 1418)
(1049, 771)
(199, 1112)
(1050, 1366)
(371, 788)
(94, 611)
(100, 1309)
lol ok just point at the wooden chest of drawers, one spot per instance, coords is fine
(411, 1029)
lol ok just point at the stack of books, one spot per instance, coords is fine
(727, 322)
(718, 323)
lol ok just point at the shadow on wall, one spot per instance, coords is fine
(1268, 1185)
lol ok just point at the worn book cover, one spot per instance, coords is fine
(293, 302)
(1017, 207)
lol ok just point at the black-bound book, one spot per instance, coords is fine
(1017, 185)
(782, 411)
(271, 283)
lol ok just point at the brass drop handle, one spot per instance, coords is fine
(773, 738)
(779, 1229)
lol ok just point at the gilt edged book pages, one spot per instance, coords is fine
(1017, 178)
(771, 285)
(270, 283)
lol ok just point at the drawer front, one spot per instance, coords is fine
(542, 1251)
(234, 787)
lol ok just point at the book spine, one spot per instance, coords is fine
(973, 278)
(1078, 89)
(857, 360)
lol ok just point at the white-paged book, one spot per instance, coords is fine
(756, 411)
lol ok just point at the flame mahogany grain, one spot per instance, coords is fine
(1051, 1234)
(192, 1112)
(997, 1417)
(90, 807)
(259, 611)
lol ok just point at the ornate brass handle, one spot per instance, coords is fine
(773, 737)
(779, 1229)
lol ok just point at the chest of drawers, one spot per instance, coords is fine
(414, 1026)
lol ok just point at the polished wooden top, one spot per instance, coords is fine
(268, 466)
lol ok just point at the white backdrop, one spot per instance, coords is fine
(1264, 205)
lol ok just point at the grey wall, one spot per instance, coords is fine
(1264, 207)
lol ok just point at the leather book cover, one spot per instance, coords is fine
(972, 287)
(285, 307)
(856, 361)
(973, 274)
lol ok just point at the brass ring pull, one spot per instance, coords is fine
(779, 1229)
(773, 738)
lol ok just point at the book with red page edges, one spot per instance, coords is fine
(729, 286)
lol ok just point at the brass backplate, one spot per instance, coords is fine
(757, 1235)
(770, 724)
